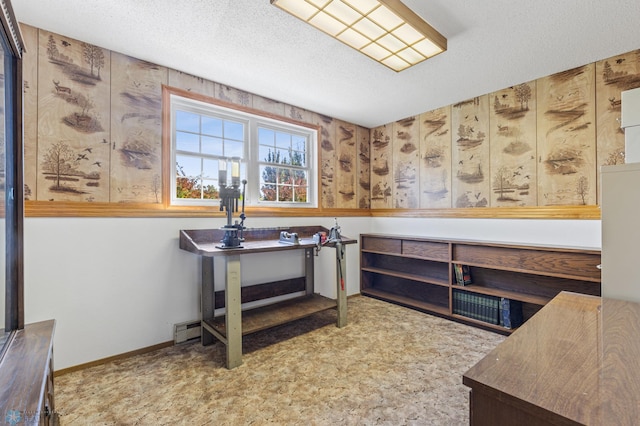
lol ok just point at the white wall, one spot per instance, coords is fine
(575, 233)
(116, 285)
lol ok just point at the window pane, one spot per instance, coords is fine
(233, 130)
(210, 190)
(212, 146)
(268, 193)
(300, 178)
(266, 136)
(187, 187)
(188, 166)
(299, 142)
(284, 176)
(268, 174)
(283, 140)
(187, 121)
(265, 153)
(187, 142)
(212, 126)
(285, 193)
(300, 194)
(298, 158)
(283, 157)
(233, 149)
(300, 188)
(210, 169)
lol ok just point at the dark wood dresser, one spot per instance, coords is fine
(576, 362)
(26, 377)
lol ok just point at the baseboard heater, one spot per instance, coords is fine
(186, 331)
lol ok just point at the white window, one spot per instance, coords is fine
(277, 157)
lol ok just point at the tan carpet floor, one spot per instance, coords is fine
(389, 366)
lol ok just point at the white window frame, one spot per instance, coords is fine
(250, 160)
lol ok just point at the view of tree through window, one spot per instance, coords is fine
(288, 180)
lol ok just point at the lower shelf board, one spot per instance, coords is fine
(494, 327)
(431, 308)
(265, 317)
(406, 301)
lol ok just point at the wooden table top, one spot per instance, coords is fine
(578, 358)
(205, 242)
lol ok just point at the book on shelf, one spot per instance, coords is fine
(458, 273)
(510, 313)
(480, 307)
(463, 274)
(466, 275)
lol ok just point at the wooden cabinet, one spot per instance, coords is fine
(26, 377)
(620, 230)
(419, 273)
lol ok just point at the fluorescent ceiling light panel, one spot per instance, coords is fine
(369, 29)
(376, 52)
(385, 30)
(353, 39)
(411, 56)
(328, 24)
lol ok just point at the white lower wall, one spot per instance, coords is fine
(116, 285)
(577, 233)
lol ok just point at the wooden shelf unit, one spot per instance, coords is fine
(419, 273)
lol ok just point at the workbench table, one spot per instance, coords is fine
(235, 323)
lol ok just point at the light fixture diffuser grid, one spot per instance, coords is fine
(385, 30)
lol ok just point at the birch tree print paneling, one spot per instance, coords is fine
(30, 99)
(471, 185)
(406, 156)
(381, 167)
(566, 138)
(346, 165)
(364, 168)
(299, 114)
(512, 120)
(435, 158)
(191, 83)
(233, 95)
(268, 105)
(136, 130)
(73, 120)
(613, 76)
(93, 127)
(327, 154)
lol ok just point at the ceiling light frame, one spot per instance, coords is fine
(386, 31)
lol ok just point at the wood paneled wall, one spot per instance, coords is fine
(537, 144)
(525, 149)
(93, 130)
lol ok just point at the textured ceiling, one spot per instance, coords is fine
(256, 47)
